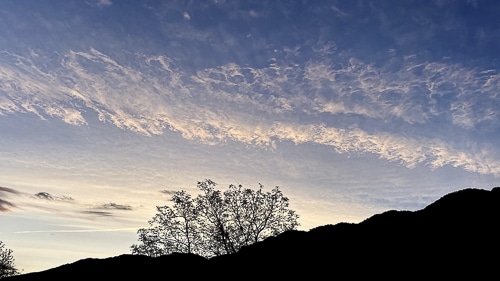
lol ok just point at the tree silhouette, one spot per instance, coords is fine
(7, 268)
(215, 223)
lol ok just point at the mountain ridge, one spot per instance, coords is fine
(455, 236)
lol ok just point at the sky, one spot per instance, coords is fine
(352, 108)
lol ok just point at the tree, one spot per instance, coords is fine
(172, 229)
(216, 223)
(7, 268)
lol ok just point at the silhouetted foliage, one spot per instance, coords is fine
(7, 267)
(216, 223)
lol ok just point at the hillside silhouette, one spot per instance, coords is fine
(457, 236)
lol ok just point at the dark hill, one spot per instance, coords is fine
(123, 267)
(457, 236)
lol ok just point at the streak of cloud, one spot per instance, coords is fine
(47, 196)
(168, 192)
(98, 213)
(104, 3)
(8, 189)
(77, 230)
(6, 206)
(114, 206)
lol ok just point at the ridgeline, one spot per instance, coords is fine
(457, 236)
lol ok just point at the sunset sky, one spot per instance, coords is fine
(352, 108)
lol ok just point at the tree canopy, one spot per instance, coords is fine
(7, 267)
(215, 223)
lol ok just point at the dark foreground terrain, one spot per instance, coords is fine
(457, 236)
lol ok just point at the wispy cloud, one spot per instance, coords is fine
(9, 190)
(415, 92)
(98, 213)
(262, 106)
(114, 206)
(104, 3)
(5, 205)
(30, 90)
(78, 230)
(106, 210)
(168, 192)
(66, 206)
(47, 196)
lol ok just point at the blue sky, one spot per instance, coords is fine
(351, 107)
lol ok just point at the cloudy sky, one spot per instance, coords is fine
(351, 107)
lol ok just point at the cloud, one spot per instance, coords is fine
(44, 195)
(77, 230)
(168, 192)
(409, 152)
(97, 209)
(98, 213)
(28, 89)
(253, 14)
(114, 206)
(49, 197)
(104, 3)
(9, 190)
(6, 206)
(338, 12)
(283, 101)
(65, 206)
(129, 99)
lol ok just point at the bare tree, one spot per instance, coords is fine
(7, 268)
(216, 223)
(172, 229)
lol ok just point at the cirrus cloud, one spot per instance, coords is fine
(262, 106)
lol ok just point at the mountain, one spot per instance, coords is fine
(456, 236)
